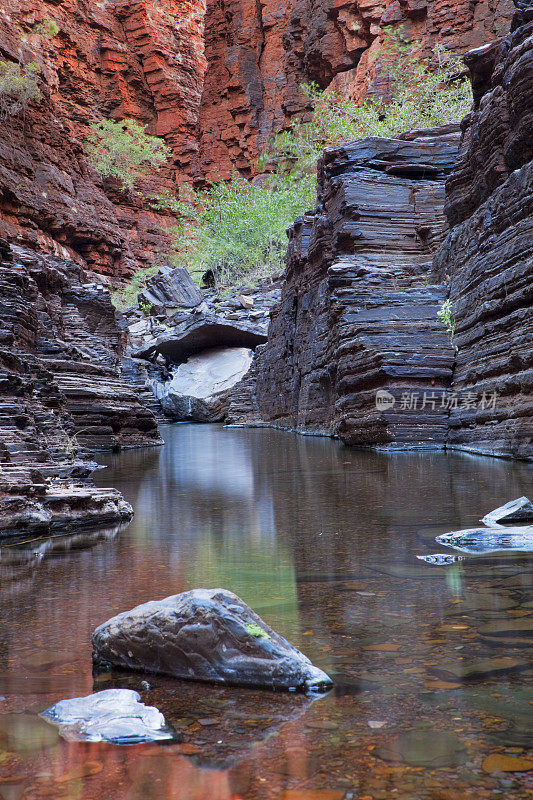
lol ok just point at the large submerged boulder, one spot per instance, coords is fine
(114, 715)
(200, 389)
(206, 635)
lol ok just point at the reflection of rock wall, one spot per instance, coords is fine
(488, 255)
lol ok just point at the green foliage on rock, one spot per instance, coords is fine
(19, 86)
(125, 151)
(421, 94)
(48, 27)
(445, 314)
(237, 228)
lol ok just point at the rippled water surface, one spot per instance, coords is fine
(432, 662)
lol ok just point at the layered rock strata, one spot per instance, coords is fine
(127, 58)
(355, 347)
(488, 255)
(61, 394)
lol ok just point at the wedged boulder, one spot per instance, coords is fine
(204, 332)
(489, 540)
(170, 289)
(114, 715)
(200, 389)
(205, 635)
(519, 510)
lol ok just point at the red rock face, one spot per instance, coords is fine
(145, 59)
(125, 59)
(259, 54)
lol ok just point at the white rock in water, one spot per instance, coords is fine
(441, 558)
(199, 388)
(519, 510)
(114, 715)
(489, 540)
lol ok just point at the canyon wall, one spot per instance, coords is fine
(259, 54)
(355, 348)
(126, 58)
(62, 391)
(487, 259)
(145, 60)
(358, 316)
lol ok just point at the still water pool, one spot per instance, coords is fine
(432, 663)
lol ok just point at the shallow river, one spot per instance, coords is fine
(322, 542)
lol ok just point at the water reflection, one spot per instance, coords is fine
(322, 541)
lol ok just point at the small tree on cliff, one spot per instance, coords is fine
(19, 85)
(125, 151)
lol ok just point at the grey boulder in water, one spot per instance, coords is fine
(114, 715)
(519, 510)
(206, 635)
(489, 540)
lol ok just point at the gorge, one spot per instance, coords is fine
(375, 397)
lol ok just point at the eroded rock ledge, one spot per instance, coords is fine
(62, 395)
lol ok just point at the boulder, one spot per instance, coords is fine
(199, 389)
(205, 635)
(170, 289)
(203, 332)
(488, 540)
(519, 510)
(114, 715)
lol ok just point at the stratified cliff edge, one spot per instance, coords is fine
(488, 255)
(355, 348)
(61, 391)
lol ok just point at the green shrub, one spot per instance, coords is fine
(19, 85)
(420, 94)
(123, 150)
(126, 296)
(48, 27)
(237, 228)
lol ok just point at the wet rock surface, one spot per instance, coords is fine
(200, 388)
(62, 395)
(488, 540)
(116, 716)
(519, 510)
(207, 635)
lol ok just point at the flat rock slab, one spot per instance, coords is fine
(206, 635)
(114, 715)
(199, 388)
(489, 540)
(203, 333)
(519, 510)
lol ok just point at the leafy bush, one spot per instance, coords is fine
(126, 296)
(420, 94)
(238, 228)
(445, 314)
(123, 150)
(19, 85)
(48, 27)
